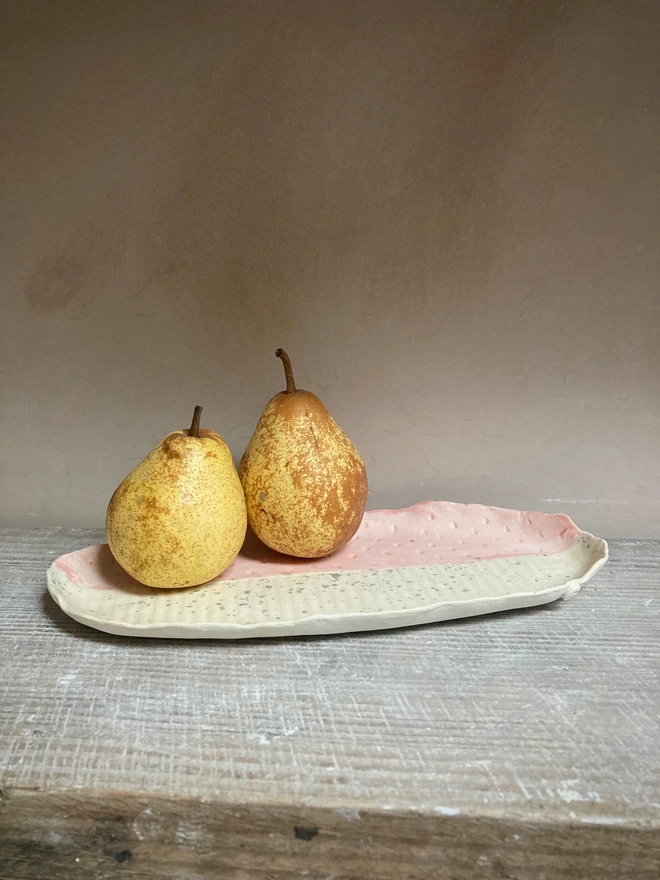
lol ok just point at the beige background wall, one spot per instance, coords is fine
(446, 211)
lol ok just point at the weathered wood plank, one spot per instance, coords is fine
(541, 722)
(77, 836)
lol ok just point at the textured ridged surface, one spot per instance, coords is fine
(331, 602)
(504, 745)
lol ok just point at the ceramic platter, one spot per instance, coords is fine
(431, 562)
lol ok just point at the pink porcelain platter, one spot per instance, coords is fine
(434, 561)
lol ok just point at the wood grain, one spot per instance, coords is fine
(79, 836)
(521, 745)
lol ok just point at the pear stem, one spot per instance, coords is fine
(194, 426)
(288, 372)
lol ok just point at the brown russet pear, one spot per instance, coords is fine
(179, 518)
(305, 484)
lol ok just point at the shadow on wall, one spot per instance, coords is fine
(296, 145)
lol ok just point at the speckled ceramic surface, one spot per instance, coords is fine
(431, 562)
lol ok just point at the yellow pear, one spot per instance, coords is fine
(304, 481)
(179, 518)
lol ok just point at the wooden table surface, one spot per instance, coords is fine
(523, 745)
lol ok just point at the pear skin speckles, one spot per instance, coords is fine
(179, 519)
(304, 481)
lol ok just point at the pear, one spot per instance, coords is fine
(305, 484)
(179, 518)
